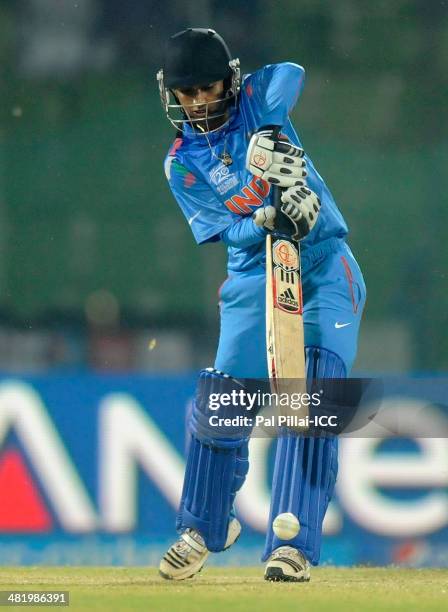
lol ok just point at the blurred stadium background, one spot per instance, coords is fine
(102, 289)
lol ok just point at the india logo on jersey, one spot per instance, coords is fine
(250, 197)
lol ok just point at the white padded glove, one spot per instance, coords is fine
(278, 162)
(302, 206)
(264, 217)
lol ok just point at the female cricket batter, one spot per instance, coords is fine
(221, 168)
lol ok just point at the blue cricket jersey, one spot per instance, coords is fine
(217, 200)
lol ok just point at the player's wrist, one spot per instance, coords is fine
(272, 130)
(262, 231)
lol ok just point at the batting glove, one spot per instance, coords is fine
(278, 162)
(302, 207)
(265, 217)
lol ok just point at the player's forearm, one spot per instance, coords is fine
(244, 233)
(284, 88)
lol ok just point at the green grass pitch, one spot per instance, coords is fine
(237, 589)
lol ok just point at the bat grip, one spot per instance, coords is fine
(283, 226)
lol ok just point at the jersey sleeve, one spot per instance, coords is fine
(205, 214)
(275, 90)
(243, 233)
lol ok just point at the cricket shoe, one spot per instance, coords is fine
(287, 564)
(186, 557)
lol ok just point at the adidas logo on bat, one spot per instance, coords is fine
(288, 299)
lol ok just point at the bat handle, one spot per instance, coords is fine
(277, 191)
(277, 198)
(283, 226)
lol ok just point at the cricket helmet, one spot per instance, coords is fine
(196, 56)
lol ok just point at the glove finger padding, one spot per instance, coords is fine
(282, 180)
(302, 206)
(288, 162)
(292, 211)
(280, 167)
(283, 146)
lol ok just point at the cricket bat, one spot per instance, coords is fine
(284, 322)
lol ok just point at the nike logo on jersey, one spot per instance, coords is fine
(339, 325)
(191, 219)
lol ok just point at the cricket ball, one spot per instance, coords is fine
(286, 526)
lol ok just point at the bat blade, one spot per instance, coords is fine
(284, 323)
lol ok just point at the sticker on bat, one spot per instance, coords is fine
(286, 273)
(285, 254)
(287, 294)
